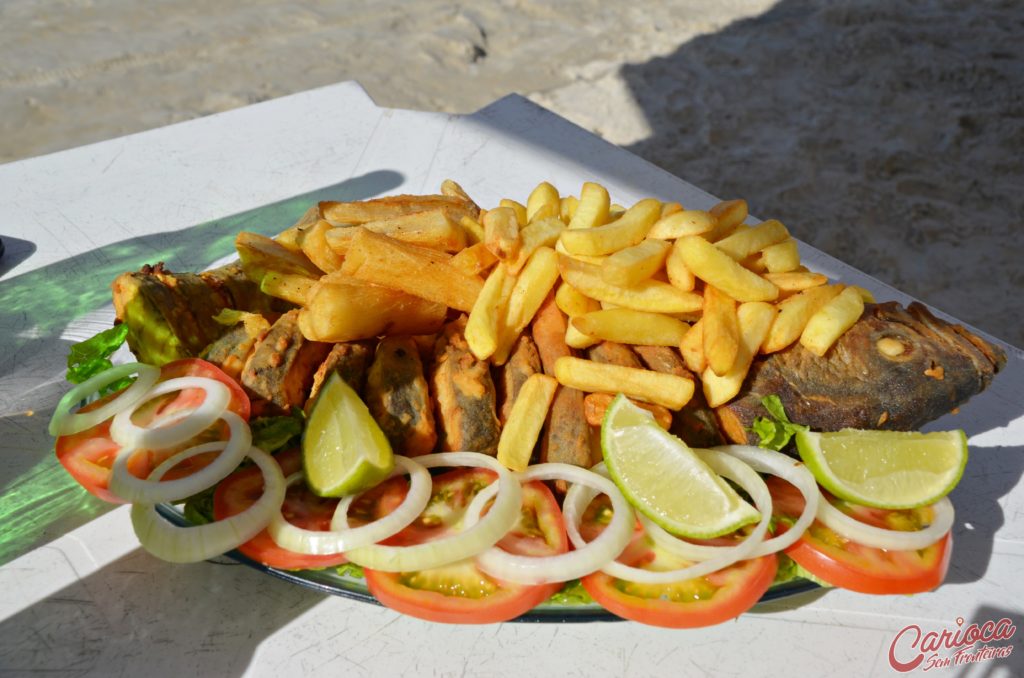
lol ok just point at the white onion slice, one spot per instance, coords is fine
(587, 557)
(64, 423)
(193, 544)
(338, 539)
(465, 544)
(793, 472)
(187, 424)
(723, 556)
(881, 538)
(133, 489)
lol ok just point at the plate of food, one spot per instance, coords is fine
(560, 409)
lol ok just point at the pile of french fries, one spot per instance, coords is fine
(704, 282)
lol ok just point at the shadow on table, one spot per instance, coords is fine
(16, 251)
(995, 667)
(44, 310)
(142, 616)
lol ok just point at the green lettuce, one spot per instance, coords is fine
(271, 434)
(90, 357)
(775, 432)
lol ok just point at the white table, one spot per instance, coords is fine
(77, 594)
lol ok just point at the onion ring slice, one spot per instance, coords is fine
(64, 423)
(193, 544)
(466, 544)
(339, 539)
(133, 489)
(185, 425)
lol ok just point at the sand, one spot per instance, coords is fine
(887, 133)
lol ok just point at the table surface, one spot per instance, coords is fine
(78, 595)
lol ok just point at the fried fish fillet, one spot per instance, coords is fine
(399, 399)
(464, 394)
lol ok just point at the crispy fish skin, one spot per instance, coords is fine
(350, 360)
(896, 369)
(280, 369)
(566, 435)
(695, 423)
(464, 393)
(398, 397)
(523, 362)
(232, 350)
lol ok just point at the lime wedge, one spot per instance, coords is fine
(665, 480)
(343, 449)
(885, 469)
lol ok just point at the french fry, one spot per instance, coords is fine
(627, 326)
(717, 268)
(452, 189)
(473, 229)
(415, 270)
(572, 302)
(518, 208)
(730, 214)
(287, 286)
(597, 261)
(567, 208)
(675, 267)
(831, 320)
(692, 348)
(349, 213)
(340, 308)
(685, 222)
(521, 430)
(539, 233)
(435, 229)
(752, 239)
(795, 281)
(486, 319)
(592, 207)
(576, 339)
(501, 233)
(754, 320)
(668, 208)
(259, 254)
(629, 229)
(543, 202)
(474, 260)
(721, 330)
(315, 246)
(291, 237)
(531, 287)
(865, 294)
(668, 390)
(596, 404)
(794, 313)
(781, 257)
(635, 264)
(649, 295)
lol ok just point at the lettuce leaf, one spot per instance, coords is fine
(775, 432)
(90, 357)
(271, 434)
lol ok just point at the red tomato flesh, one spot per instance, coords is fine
(849, 565)
(702, 601)
(460, 593)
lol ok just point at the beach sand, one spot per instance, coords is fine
(887, 133)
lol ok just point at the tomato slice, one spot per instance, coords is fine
(89, 454)
(460, 593)
(702, 601)
(301, 507)
(849, 565)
